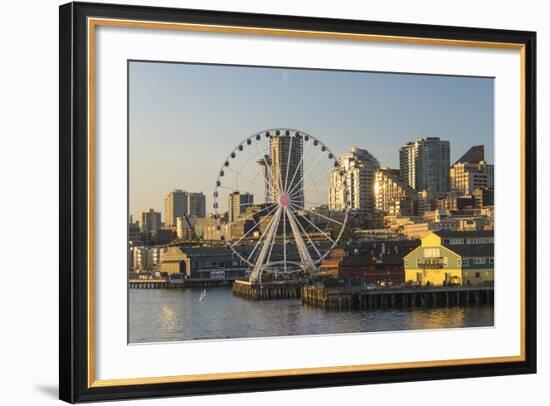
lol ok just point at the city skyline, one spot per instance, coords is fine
(170, 105)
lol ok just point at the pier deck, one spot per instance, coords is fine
(268, 291)
(160, 283)
(361, 298)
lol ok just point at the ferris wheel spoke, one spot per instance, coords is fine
(318, 229)
(247, 159)
(272, 243)
(284, 237)
(256, 224)
(309, 189)
(313, 165)
(316, 180)
(317, 214)
(271, 232)
(308, 237)
(243, 168)
(328, 172)
(268, 168)
(314, 203)
(228, 206)
(270, 179)
(300, 163)
(300, 244)
(288, 163)
(260, 240)
(293, 187)
(247, 178)
(251, 215)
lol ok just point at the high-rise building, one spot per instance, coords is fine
(286, 156)
(145, 258)
(150, 221)
(265, 163)
(176, 204)
(180, 203)
(425, 202)
(135, 236)
(484, 197)
(238, 202)
(466, 177)
(473, 155)
(392, 197)
(184, 227)
(196, 204)
(424, 164)
(355, 174)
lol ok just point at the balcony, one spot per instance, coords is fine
(431, 262)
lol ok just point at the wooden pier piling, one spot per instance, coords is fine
(353, 298)
(268, 291)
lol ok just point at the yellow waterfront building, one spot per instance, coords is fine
(451, 257)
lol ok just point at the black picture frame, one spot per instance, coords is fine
(74, 200)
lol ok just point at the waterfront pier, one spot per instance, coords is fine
(178, 283)
(148, 284)
(361, 298)
(268, 291)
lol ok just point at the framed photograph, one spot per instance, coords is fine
(257, 202)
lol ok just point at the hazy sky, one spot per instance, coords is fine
(185, 119)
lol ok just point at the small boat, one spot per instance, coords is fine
(203, 295)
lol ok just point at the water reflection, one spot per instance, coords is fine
(176, 315)
(436, 318)
(168, 319)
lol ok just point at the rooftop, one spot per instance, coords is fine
(465, 234)
(474, 250)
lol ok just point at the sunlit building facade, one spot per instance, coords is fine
(392, 197)
(355, 174)
(180, 203)
(175, 205)
(238, 203)
(424, 165)
(466, 177)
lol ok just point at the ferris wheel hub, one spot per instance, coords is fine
(284, 200)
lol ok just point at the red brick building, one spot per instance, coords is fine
(375, 261)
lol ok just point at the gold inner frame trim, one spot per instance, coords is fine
(94, 22)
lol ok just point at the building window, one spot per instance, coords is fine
(431, 252)
(465, 261)
(478, 275)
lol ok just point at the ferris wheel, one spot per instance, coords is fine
(271, 202)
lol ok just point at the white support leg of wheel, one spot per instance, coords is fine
(302, 249)
(271, 233)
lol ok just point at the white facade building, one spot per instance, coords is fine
(466, 177)
(355, 174)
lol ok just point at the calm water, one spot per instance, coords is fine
(178, 314)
